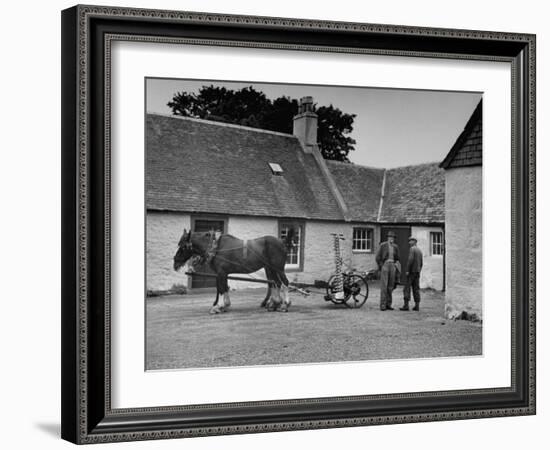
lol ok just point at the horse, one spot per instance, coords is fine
(227, 254)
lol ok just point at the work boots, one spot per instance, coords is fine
(405, 306)
(416, 306)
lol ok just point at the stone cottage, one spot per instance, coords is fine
(463, 221)
(249, 182)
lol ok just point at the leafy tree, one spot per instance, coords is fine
(332, 129)
(253, 109)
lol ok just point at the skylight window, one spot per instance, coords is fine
(276, 169)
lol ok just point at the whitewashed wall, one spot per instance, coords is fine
(164, 231)
(364, 261)
(463, 240)
(432, 269)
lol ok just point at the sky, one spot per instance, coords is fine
(393, 127)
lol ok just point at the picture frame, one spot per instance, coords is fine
(87, 413)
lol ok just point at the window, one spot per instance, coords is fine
(436, 242)
(362, 239)
(295, 254)
(276, 169)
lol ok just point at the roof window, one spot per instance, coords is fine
(276, 169)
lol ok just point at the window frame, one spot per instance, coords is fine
(440, 244)
(367, 231)
(284, 223)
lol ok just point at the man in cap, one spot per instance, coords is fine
(386, 258)
(412, 271)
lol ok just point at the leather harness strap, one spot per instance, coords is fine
(213, 249)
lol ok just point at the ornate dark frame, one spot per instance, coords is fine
(87, 31)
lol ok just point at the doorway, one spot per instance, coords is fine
(205, 224)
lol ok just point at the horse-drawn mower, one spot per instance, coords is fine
(349, 288)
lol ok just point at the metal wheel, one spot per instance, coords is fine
(331, 290)
(356, 290)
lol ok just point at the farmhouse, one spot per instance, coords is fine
(203, 175)
(463, 212)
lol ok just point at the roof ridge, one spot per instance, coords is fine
(222, 124)
(352, 164)
(432, 163)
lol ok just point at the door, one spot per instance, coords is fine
(402, 241)
(198, 282)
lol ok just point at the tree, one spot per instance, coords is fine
(253, 109)
(332, 129)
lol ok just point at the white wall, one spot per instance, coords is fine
(432, 269)
(364, 261)
(30, 189)
(164, 231)
(463, 241)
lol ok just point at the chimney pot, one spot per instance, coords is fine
(306, 104)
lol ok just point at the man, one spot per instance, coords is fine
(386, 258)
(412, 271)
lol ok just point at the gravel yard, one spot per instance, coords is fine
(182, 334)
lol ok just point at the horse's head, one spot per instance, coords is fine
(185, 250)
(191, 244)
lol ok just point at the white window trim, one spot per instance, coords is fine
(436, 255)
(298, 265)
(371, 250)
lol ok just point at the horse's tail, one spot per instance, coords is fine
(288, 241)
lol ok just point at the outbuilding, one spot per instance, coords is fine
(464, 221)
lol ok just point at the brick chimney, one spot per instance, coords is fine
(305, 125)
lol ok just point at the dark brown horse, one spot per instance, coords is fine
(227, 254)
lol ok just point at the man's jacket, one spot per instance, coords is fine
(384, 252)
(414, 263)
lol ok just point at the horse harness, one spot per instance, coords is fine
(213, 248)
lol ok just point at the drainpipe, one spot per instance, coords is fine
(382, 193)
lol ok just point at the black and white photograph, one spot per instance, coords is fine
(297, 224)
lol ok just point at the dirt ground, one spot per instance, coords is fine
(182, 334)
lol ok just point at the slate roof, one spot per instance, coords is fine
(467, 150)
(200, 166)
(414, 194)
(361, 188)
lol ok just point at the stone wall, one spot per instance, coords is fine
(432, 269)
(361, 260)
(463, 241)
(319, 251)
(164, 231)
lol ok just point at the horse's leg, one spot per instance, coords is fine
(268, 295)
(273, 299)
(276, 300)
(217, 295)
(220, 284)
(226, 299)
(284, 290)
